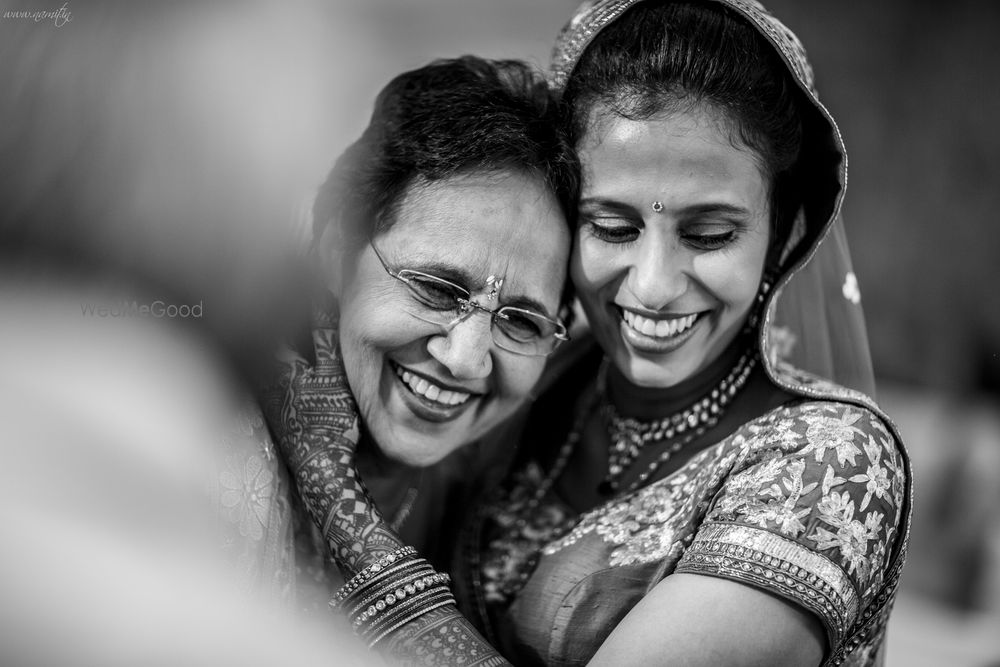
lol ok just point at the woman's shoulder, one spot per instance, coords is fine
(820, 486)
(829, 439)
(819, 418)
(824, 413)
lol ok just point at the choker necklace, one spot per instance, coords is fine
(630, 436)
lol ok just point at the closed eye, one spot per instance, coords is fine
(610, 230)
(709, 241)
(435, 293)
(521, 325)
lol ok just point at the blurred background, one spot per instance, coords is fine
(176, 143)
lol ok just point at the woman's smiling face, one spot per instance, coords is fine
(424, 391)
(673, 234)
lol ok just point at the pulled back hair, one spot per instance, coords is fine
(662, 57)
(447, 118)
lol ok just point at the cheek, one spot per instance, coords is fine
(370, 328)
(734, 280)
(590, 268)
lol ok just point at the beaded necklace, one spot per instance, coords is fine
(630, 436)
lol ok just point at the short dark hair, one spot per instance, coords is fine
(452, 116)
(662, 56)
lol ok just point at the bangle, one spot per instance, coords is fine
(407, 569)
(431, 600)
(410, 591)
(366, 574)
(380, 590)
(392, 592)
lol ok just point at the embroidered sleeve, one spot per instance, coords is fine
(811, 515)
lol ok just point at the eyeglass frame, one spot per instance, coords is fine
(468, 306)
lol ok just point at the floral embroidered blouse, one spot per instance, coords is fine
(804, 502)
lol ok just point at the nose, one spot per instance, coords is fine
(465, 349)
(658, 273)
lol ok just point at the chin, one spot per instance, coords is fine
(413, 449)
(648, 373)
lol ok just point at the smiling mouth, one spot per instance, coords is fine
(657, 336)
(659, 329)
(433, 394)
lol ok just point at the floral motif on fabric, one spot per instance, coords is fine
(253, 497)
(833, 493)
(650, 525)
(850, 288)
(804, 501)
(836, 493)
(248, 488)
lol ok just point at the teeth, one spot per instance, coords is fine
(658, 328)
(430, 390)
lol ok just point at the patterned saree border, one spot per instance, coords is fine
(775, 563)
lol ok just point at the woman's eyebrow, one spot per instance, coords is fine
(724, 208)
(526, 303)
(449, 272)
(609, 205)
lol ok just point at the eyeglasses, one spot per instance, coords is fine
(446, 304)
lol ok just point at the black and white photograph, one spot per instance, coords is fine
(472, 333)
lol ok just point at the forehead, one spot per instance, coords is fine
(685, 153)
(507, 224)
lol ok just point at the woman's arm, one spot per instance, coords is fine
(696, 620)
(316, 424)
(358, 536)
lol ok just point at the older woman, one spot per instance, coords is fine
(443, 237)
(686, 495)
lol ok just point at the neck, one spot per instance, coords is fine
(387, 480)
(631, 400)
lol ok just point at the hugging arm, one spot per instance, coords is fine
(358, 536)
(315, 421)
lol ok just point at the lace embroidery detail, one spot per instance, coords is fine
(247, 493)
(253, 498)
